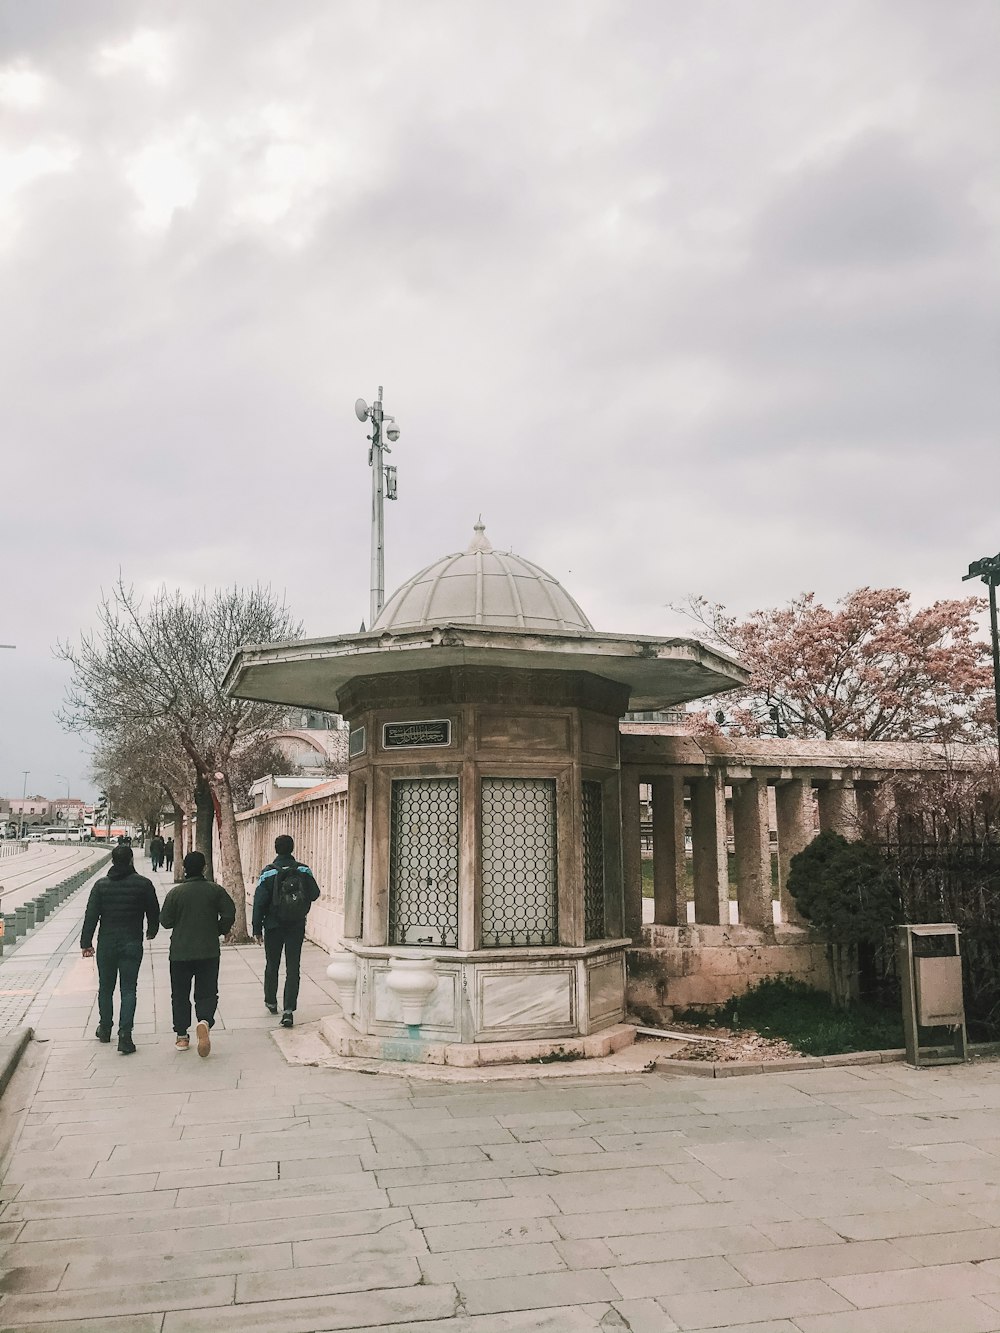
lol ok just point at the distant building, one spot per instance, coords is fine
(273, 787)
(315, 744)
(31, 809)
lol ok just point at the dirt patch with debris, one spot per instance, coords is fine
(724, 1046)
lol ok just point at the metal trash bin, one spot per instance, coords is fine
(930, 970)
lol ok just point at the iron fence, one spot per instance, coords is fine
(949, 871)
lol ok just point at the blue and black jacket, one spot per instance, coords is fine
(262, 918)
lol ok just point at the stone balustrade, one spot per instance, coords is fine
(750, 798)
(719, 808)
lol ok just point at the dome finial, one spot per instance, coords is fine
(480, 541)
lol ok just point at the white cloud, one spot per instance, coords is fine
(22, 88)
(145, 52)
(164, 177)
(21, 168)
(682, 297)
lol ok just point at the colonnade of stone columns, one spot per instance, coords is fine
(797, 798)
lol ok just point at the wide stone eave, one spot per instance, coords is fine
(310, 672)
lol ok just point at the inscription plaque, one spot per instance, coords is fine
(410, 735)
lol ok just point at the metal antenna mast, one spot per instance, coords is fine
(383, 488)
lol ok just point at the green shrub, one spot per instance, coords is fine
(850, 896)
(809, 1020)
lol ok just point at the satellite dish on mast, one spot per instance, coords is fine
(361, 410)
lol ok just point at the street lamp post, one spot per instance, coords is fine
(24, 797)
(62, 778)
(383, 487)
(988, 569)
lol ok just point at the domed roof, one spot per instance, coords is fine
(480, 586)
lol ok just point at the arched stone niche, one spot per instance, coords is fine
(485, 830)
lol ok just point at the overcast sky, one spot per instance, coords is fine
(682, 295)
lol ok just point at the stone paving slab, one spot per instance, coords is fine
(161, 1193)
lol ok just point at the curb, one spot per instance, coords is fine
(733, 1069)
(11, 1050)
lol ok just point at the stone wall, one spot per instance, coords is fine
(317, 821)
(701, 967)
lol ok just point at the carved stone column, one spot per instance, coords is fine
(708, 839)
(838, 807)
(794, 807)
(631, 852)
(875, 807)
(753, 852)
(669, 861)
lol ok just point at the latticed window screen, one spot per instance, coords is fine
(593, 861)
(423, 862)
(519, 862)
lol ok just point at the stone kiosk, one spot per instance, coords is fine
(483, 901)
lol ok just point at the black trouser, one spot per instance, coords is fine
(119, 958)
(290, 939)
(205, 974)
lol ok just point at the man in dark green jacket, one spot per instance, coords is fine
(196, 911)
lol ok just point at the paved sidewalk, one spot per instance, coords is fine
(162, 1193)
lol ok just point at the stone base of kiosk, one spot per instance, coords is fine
(345, 1040)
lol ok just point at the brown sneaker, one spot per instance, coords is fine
(204, 1038)
(182, 1043)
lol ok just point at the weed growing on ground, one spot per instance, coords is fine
(806, 1019)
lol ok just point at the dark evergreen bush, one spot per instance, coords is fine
(849, 894)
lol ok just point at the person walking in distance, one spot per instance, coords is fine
(118, 903)
(156, 845)
(196, 911)
(285, 892)
(168, 855)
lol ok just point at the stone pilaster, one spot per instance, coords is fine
(793, 802)
(669, 861)
(354, 882)
(875, 807)
(753, 852)
(708, 839)
(838, 807)
(631, 852)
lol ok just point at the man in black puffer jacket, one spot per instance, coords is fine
(119, 901)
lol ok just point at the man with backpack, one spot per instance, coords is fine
(285, 892)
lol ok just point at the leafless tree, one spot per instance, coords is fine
(143, 770)
(164, 663)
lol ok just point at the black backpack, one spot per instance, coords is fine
(290, 896)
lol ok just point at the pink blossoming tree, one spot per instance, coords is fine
(871, 668)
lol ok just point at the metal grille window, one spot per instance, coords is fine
(423, 862)
(519, 862)
(593, 861)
